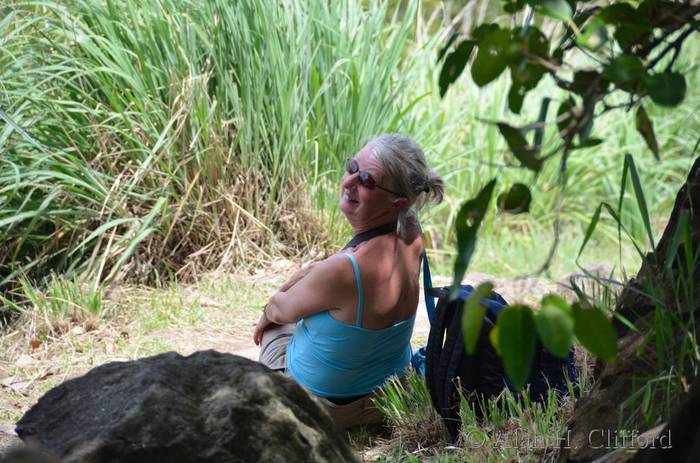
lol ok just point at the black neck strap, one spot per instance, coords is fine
(373, 233)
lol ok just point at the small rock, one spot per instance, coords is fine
(77, 330)
(7, 429)
(24, 361)
(16, 384)
(8, 381)
(110, 348)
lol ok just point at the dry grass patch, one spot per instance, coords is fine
(40, 349)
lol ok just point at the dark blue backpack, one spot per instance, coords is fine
(449, 367)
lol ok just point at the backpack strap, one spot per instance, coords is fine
(434, 350)
(373, 233)
(427, 289)
(457, 364)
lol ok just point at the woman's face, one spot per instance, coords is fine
(361, 205)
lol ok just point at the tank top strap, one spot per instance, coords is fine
(360, 293)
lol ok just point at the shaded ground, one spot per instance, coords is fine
(219, 313)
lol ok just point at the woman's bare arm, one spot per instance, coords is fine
(298, 275)
(326, 285)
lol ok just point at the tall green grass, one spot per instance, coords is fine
(164, 137)
(176, 134)
(665, 358)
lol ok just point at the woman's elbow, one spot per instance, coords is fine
(275, 312)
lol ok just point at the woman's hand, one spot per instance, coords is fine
(263, 324)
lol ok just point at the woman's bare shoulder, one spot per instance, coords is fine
(381, 258)
(337, 262)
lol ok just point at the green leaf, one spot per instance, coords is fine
(513, 6)
(587, 118)
(142, 233)
(533, 41)
(558, 56)
(596, 217)
(483, 30)
(516, 340)
(588, 82)
(515, 139)
(555, 325)
(454, 65)
(566, 118)
(646, 128)
(557, 9)
(524, 76)
(473, 316)
(518, 145)
(99, 231)
(446, 47)
(630, 27)
(595, 332)
(617, 13)
(666, 89)
(492, 57)
(538, 136)
(527, 74)
(516, 96)
(493, 337)
(590, 143)
(636, 33)
(594, 35)
(516, 200)
(630, 166)
(20, 131)
(467, 225)
(625, 69)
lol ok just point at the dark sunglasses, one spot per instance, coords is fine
(366, 179)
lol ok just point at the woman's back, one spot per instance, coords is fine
(389, 268)
(351, 350)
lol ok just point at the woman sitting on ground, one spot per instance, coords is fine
(342, 326)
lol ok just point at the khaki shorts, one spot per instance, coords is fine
(273, 354)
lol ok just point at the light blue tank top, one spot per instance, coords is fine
(335, 359)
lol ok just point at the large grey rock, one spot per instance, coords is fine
(206, 407)
(25, 454)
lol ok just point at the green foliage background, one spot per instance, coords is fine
(160, 138)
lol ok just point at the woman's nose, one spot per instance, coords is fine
(349, 179)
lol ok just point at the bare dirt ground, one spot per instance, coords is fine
(219, 312)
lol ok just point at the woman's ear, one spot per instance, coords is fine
(399, 203)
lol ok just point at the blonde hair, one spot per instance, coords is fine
(406, 172)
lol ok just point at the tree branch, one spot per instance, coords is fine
(675, 45)
(688, 10)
